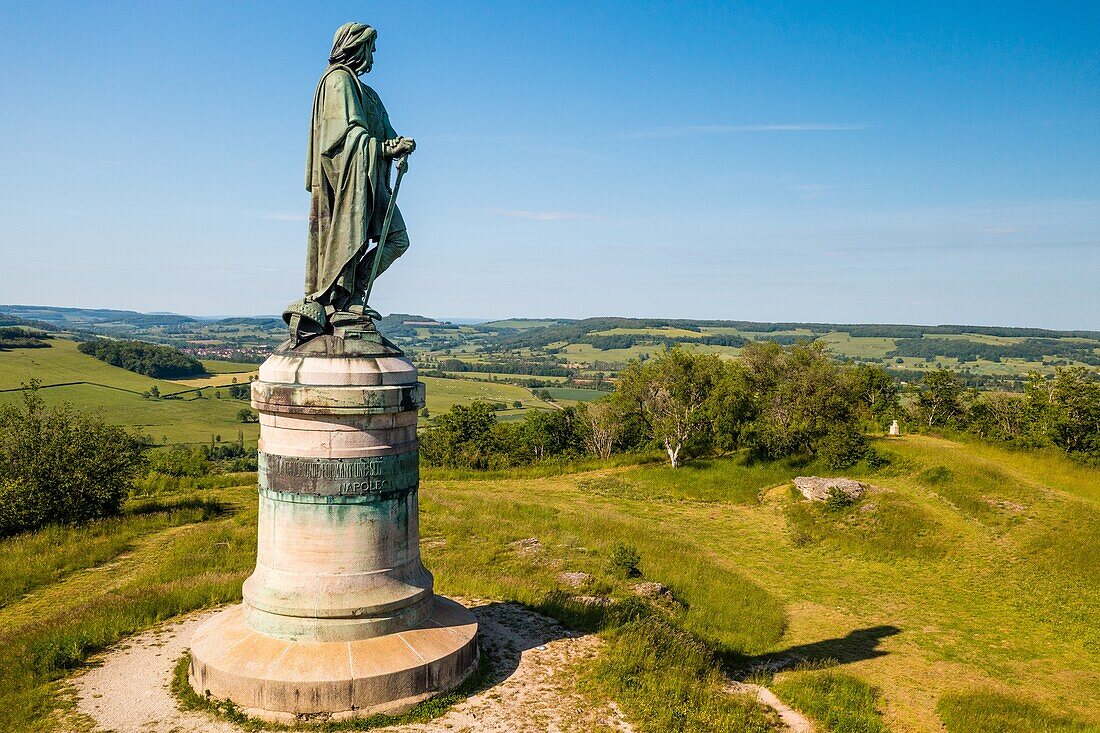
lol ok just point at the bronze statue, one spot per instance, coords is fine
(351, 148)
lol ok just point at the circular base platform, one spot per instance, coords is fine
(280, 680)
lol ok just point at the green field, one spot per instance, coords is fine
(960, 595)
(445, 393)
(115, 394)
(573, 395)
(227, 367)
(61, 363)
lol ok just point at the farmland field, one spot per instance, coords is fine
(444, 393)
(62, 363)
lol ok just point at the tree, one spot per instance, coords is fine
(1065, 410)
(670, 394)
(461, 438)
(603, 422)
(546, 433)
(247, 416)
(1001, 415)
(939, 398)
(876, 390)
(58, 465)
(799, 400)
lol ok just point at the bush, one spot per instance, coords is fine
(841, 448)
(875, 460)
(837, 500)
(58, 465)
(624, 561)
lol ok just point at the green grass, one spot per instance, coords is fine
(443, 394)
(116, 394)
(837, 703)
(573, 395)
(991, 712)
(227, 367)
(51, 632)
(909, 607)
(670, 682)
(487, 376)
(165, 421)
(35, 559)
(62, 363)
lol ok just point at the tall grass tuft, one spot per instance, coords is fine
(838, 703)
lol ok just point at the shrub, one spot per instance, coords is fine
(841, 448)
(58, 465)
(875, 460)
(624, 561)
(837, 500)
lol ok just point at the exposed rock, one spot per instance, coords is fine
(575, 580)
(1002, 504)
(651, 590)
(527, 546)
(598, 601)
(815, 488)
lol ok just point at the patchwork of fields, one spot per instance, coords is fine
(204, 410)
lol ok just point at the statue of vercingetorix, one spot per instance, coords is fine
(351, 146)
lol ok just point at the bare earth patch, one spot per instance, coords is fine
(532, 685)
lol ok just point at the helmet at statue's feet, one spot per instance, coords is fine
(306, 319)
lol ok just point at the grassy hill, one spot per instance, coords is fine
(961, 595)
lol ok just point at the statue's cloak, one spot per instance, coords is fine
(348, 179)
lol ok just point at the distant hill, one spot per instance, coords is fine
(77, 317)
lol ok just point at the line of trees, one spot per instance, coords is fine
(772, 402)
(152, 360)
(1062, 410)
(17, 337)
(1032, 349)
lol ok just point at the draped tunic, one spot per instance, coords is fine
(348, 179)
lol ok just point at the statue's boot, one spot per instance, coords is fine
(356, 314)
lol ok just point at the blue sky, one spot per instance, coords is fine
(855, 162)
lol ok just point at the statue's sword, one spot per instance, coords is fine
(402, 166)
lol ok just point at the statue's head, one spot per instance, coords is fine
(353, 46)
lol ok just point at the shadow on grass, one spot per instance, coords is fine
(210, 507)
(855, 646)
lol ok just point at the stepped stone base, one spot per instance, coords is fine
(282, 680)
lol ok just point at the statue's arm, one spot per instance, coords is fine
(395, 144)
(341, 113)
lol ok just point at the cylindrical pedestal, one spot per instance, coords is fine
(339, 615)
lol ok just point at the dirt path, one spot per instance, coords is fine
(795, 721)
(532, 686)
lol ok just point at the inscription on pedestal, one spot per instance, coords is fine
(378, 475)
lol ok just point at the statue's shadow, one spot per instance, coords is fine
(855, 646)
(508, 631)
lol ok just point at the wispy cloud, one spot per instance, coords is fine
(546, 215)
(285, 217)
(661, 132)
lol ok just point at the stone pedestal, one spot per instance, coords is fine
(339, 616)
